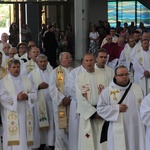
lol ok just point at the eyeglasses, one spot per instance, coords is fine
(121, 75)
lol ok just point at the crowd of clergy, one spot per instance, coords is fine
(103, 104)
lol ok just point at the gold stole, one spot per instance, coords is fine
(41, 105)
(62, 110)
(30, 65)
(6, 63)
(3, 72)
(12, 117)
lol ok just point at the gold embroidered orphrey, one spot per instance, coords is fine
(62, 110)
(12, 117)
(114, 93)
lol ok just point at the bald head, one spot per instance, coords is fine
(4, 37)
(12, 51)
(145, 35)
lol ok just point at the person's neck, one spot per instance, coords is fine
(99, 66)
(91, 71)
(145, 50)
(65, 66)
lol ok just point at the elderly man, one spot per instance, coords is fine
(5, 52)
(61, 100)
(11, 52)
(89, 85)
(17, 96)
(43, 110)
(4, 39)
(119, 104)
(30, 64)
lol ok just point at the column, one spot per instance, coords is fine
(81, 8)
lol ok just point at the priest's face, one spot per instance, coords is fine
(42, 63)
(66, 60)
(89, 62)
(34, 53)
(101, 59)
(14, 69)
(122, 77)
(145, 44)
(22, 49)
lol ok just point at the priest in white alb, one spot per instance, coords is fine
(141, 66)
(126, 56)
(44, 130)
(17, 96)
(61, 100)
(106, 72)
(119, 104)
(145, 115)
(89, 85)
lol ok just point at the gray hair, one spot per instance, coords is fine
(40, 57)
(6, 44)
(13, 61)
(61, 55)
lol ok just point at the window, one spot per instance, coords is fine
(127, 12)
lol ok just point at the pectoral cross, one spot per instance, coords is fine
(114, 93)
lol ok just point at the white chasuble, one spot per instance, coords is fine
(13, 126)
(88, 88)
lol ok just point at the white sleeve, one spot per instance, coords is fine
(145, 110)
(23, 69)
(105, 109)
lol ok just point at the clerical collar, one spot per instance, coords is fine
(119, 86)
(43, 71)
(146, 50)
(14, 78)
(66, 68)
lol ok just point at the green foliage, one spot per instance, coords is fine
(4, 15)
